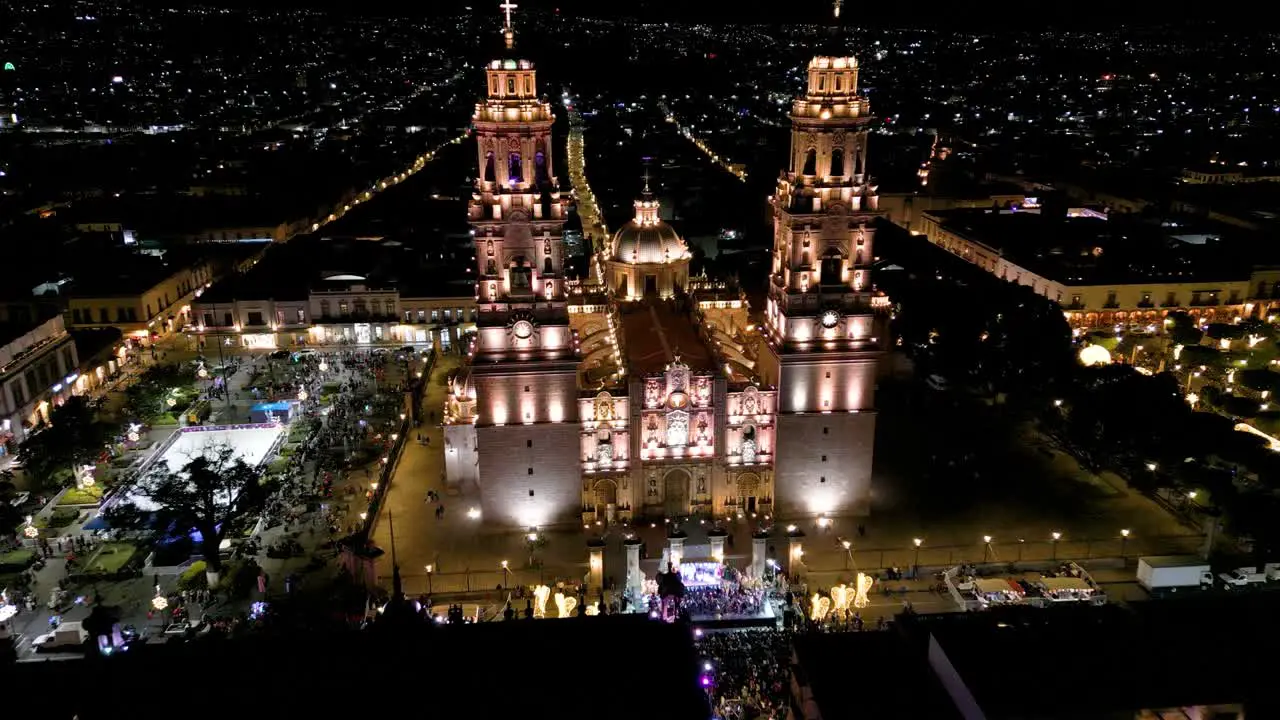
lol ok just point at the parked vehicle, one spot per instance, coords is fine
(1243, 577)
(1164, 574)
(68, 634)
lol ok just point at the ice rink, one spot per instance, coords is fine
(250, 442)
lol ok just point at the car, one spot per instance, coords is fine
(20, 499)
(306, 352)
(279, 355)
(177, 629)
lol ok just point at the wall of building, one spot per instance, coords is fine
(823, 464)
(37, 370)
(530, 475)
(1143, 303)
(147, 311)
(461, 461)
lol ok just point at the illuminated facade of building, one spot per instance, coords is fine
(39, 368)
(823, 326)
(638, 392)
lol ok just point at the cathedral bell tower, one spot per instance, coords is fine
(524, 363)
(823, 328)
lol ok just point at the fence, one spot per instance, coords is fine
(474, 582)
(402, 436)
(819, 556)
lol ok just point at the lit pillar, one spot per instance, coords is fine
(795, 551)
(759, 552)
(676, 543)
(635, 576)
(595, 563)
(717, 537)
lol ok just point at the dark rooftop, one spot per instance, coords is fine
(654, 332)
(1109, 661)
(289, 271)
(517, 669)
(1091, 251)
(893, 679)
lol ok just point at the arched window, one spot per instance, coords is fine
(491, 267)
(831, 268)
(810, 163)
(515, 170)
(546, 266)
(837, 163)
(488, 167)
(540, 168)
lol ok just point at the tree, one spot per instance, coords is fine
(210, 492)
(147, 398)
(72, 438)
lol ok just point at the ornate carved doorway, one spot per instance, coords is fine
(606, 500)
(675, 497)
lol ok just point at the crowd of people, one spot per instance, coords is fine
(747, 672)
(725, 600)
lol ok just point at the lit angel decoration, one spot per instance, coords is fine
(594, 608)
(864, 586)
(566, 605)
(540, 595)
(841, 596)
(819, 606)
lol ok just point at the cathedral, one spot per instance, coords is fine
(640, 392)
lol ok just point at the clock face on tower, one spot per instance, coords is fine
(522, 329)
(830, 319)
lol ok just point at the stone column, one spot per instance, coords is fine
(595, 565)
(717, 537)
(759, 554)
(795, 551)
(635, 576)
(676, 541)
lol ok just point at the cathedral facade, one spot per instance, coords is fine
(642, 392)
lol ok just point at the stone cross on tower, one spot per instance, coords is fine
(508, 34)
(837, 4)
(646, 160)
(507, 6)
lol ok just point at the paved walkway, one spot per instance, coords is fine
(463, 554)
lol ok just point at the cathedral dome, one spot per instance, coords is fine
(647, 239)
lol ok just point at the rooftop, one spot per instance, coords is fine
(450, 660)
(654, 332)
(292, 270)
(1091, 251)
(1092, 662)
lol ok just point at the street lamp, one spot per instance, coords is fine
(916, 565)
(1056, 537)
(848, 554)
(430, 569)
(1124, 539)
(1152, 466)
(986, 548)
(505, 571)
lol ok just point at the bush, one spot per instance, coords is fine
(59, 518)
(194, 578)
(81, 496)
(240, 577)
(17, 560)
